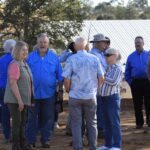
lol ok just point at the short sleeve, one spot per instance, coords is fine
(67, 73)
(14, 71)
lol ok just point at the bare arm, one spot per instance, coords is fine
(100, 80)
(67, 84)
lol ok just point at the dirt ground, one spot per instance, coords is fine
(132, 139)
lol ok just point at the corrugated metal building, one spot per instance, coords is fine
(121, 32)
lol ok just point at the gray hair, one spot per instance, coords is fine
(41, 35)
(81, 40)
(9, 45)
(115, 52)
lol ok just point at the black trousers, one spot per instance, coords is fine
(140, 89)
(18, 123)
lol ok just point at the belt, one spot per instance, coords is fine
(140, 79)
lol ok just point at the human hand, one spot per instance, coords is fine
(21, 105)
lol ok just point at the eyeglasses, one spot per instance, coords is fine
(108, 55)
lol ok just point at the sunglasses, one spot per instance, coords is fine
(108, 55)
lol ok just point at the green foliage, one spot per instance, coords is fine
(61, 19)
(25, 19)
(135, 9)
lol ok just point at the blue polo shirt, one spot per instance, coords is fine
(46, 72)
(4, 62)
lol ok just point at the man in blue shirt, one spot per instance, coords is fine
(99, 47)
(100, 44)
(82, 73)
(4, 62)
(136, 76)
(46, 71)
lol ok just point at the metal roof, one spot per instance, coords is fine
(121, 32)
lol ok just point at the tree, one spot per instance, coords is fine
(131, 11)
(135, 9)
(104, 11)
(24, 19)
(120, 12)
(141, 4)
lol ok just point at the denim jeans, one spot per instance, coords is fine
(41, 117)
(111, 116)
(100, 122)
(5, 116)
(77, 108)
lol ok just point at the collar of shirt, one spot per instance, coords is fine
(139, 52)
(37, 51)
(109, 67)
(97, 50)
(42, 57)
(94, 49)
(81, 51)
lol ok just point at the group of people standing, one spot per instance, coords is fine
(87, 75)
(28, 84)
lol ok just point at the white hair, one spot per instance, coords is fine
(9, 45)
(81, 40)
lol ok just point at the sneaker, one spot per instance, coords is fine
(103, 148)
(56, 125)
(115, 148)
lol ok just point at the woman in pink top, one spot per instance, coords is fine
(18, 94)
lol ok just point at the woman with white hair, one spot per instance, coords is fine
(110, 91)
(4, 62)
